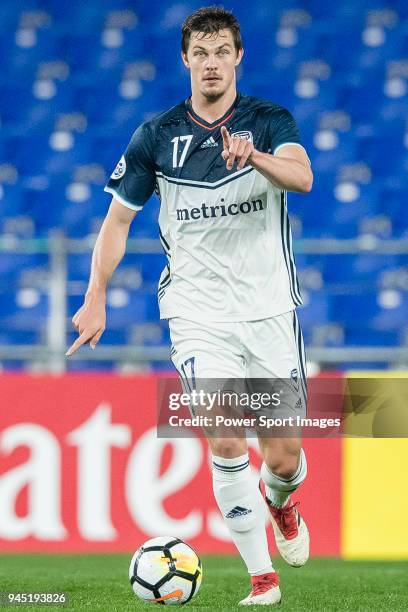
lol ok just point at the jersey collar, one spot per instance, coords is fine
(219, 122)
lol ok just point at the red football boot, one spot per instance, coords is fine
(291, 533)
(265, 591)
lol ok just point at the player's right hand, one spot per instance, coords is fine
(90, 322)
(236, 150)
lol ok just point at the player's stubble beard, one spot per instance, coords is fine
(213, 97)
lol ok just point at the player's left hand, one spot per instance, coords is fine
(236, 150)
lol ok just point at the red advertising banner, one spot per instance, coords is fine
(82, 469)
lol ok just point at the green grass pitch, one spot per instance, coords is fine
(100, 582)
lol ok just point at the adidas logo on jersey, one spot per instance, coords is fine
(238, 511)
(210, 142)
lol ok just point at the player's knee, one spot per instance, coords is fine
(285, 465)
(292, 466)
(228, 448)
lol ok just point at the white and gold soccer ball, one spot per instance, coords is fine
(165, 570)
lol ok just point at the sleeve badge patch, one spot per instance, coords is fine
(120, 169)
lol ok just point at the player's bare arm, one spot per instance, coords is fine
(90, 319)
(289, 169)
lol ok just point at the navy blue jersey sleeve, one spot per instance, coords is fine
(133, 180)
(282, 129)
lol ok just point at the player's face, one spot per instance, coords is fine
(212, 60)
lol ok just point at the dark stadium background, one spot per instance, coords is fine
(76, 79)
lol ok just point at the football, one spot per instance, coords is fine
(165, 570)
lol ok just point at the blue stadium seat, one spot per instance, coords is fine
(102, 105)
(148, 266)
(362, 96)
(108, 149)
(31, 318)
(20, 336)
(10, 200)
(324, 216)
(354, 273)
(146, 223)
(79, 50)
(36, 156)
(391, 318)
(76, 218)
(13, 265)
(389, 139)
(151, 266)
(9, 13)
(79, 266)
(369, 337)
(149, 334)
(330, 334)
(351, 212)
(84, 365)
(393, 202)
(316, 309)
(27, 115)
(313, 57)
(20, 59)
(114, 336)
(354, 309)
(142, 306)
(326, 162)
(138, 306)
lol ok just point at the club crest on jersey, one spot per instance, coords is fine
(244, 135)
(120, 169)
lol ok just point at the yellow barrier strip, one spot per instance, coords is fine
(375, 492)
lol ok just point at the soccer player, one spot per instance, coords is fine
(221, 163)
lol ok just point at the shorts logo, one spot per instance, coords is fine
(244, 135)
(294, 378)
(120, 169)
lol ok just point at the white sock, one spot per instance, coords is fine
(278, 489)
(243, 509)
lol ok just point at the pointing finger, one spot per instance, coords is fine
(243, 152)
(232, 152)
(96, 338)
(226, 139)
(84, 337)
(244, 158)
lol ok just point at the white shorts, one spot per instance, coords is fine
(269, 348)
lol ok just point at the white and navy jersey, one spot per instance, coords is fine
(225, 233)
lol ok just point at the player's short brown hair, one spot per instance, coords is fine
(210, 20)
